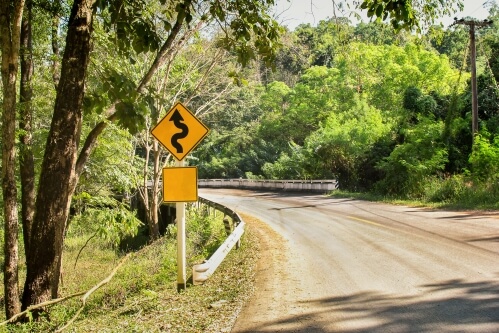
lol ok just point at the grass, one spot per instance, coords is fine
(441, 195)
(380, 198)
(142, 296)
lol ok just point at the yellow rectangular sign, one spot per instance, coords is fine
(180, 184)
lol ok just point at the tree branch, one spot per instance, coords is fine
(91, 291)
(84, 246)
(40, 305)
(165, 51)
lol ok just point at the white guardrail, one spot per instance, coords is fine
(277, 185)
(201, 272)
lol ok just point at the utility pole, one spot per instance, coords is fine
(474, 99)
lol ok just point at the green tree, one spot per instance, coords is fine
(325, 41)
(386, 72)
(421, 155)
(289, 165)
(379, 33)
(319, 92)
(340, 146)
(275, 102)
(292, 59)
(452, 42)
(419, 104)
(400, 85)
(234, 148)
(250, 32)
(484, 159)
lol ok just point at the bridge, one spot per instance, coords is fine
(317, 186)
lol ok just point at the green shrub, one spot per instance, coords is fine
(412, 163)
(484, 159)
(106, 217)
(461, 192)
(481, 196)
(448, 190)
(204, 233)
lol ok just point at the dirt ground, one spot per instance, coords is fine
(271, 267)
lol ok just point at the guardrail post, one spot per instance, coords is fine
(228, 227)
(236, 224)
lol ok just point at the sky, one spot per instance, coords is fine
(295, 12)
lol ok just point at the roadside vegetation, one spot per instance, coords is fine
(460, 198)
(142, 295)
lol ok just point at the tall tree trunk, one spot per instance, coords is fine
(58, 177)
(56, 75)
(10, 27)
(147, 192)
(26, 160)
(154, 222)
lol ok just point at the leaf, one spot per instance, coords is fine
(379, 10)
(128, 118)
(167, 25)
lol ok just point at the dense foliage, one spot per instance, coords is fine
(377, 109)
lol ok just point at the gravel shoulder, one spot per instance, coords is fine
(270, 269)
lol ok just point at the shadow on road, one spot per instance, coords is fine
(475, 215)
(485, 239)
(300, 196)
(450, 306)
(327, 204)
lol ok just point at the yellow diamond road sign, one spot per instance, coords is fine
(180, 131)
(180, 184)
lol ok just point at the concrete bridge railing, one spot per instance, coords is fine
(321, 186)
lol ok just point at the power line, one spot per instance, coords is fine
(482, 6)
(487, 61)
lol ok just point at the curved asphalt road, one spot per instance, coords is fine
(355, 266)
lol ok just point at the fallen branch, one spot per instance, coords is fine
(61, 299)
(40, 305)
(91, 291)
(81, 250)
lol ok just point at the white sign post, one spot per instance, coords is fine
(181, 270)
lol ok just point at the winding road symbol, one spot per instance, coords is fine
(178, 122)
(179, 131)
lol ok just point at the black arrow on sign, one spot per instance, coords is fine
(178, 122)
